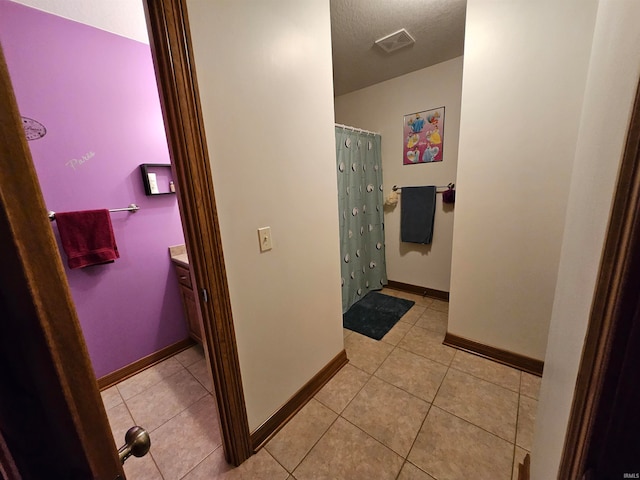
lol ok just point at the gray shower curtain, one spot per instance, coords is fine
(360, 200)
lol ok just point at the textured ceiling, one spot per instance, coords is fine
(436, 25)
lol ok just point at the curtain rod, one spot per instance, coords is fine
(355, 129)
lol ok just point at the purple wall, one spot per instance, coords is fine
(96, 94)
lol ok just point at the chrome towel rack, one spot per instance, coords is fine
(396, 188)
(133, 208)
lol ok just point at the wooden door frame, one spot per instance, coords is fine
(615, 297)
(173, 60)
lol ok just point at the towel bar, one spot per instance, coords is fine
(133, 208)
(396, 188)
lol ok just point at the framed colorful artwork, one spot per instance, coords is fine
(423, 137)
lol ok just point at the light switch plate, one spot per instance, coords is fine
(264, 236)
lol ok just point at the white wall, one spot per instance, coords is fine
(265, 79)
(122, 17)
(523, 83)
(613, 78)
(381, 108)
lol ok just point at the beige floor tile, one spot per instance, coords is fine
(111, 397)
(448, 448)
(143, 468)
(390, 415)
(440, 305)
(517, 460)
(120, 421)
(346, 332)
(415, 374)
(138, 383)
(389, 291)
(433, 320)
(171, 404)
(419, 299)
(347, 453)
(396, 334)
(426, 301)
(414, 313)
(296, 439)
(526, 422)
(411, 472)
(165, 400)
(260, 466)
(341, 389)
(488, 370)
(187, 439)
(200, 370)
(530, 386)
(366, 353)
(190, 355)
(484, 404)
(428, 344)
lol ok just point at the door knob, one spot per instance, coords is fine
(137, 443)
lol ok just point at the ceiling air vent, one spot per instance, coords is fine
(395, 41)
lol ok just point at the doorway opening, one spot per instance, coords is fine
(208, 289)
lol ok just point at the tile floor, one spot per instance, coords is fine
(405, 408)
(173, 401)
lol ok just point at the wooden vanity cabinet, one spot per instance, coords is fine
(188, 302)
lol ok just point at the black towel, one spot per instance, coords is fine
(418, 209)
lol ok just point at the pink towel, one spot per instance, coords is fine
(87, 237)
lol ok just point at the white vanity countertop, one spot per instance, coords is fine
(178, 254)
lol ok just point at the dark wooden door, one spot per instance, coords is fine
(52, 420)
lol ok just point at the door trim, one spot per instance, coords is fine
(173, 60)
(610, 307)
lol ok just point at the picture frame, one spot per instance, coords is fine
(423, 137)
